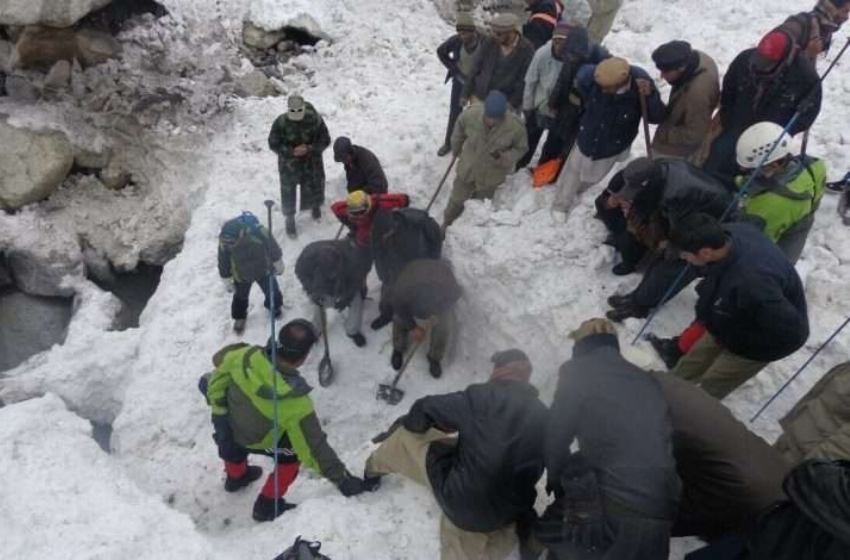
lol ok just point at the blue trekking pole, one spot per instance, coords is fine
(799, 371)
(744, 190)
(273, 358)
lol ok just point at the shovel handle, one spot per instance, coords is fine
(442, 182)
(644, 113)
(407, 359)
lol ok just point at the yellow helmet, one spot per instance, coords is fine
(358, 203)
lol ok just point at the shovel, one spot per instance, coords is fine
(326, 368)
(391, 393)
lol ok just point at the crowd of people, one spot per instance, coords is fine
(723, 198)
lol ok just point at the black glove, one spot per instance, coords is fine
(351, 485)
(584, 514)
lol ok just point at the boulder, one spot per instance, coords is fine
(114, 178)
(34, 164)
(55, 13)
(44, 46)
(96, 47)
(258, 38)
(59, 77)
(43, 274)
(255, 84)
(92, 158)
(20, 89)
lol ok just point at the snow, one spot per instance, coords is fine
(529, 281)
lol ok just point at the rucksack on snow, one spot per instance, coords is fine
(302, 550)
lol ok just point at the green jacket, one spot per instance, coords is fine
(286, 134)
(241, 388)
(780, 202)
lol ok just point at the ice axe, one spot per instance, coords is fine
(326, 368)
(390, 392)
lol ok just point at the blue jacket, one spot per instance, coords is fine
(753, 301)
(610, 123)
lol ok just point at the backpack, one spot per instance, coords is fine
(249, 251)
(302, 550)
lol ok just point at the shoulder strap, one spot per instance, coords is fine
(545, 17)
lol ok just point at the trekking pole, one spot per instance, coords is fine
(744, 189)
(804, 144)
(442, 182)
(799, 371)
(644, 112)
(273, 357)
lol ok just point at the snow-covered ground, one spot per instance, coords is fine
(528, 282)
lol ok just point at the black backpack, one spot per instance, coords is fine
(249, 251)
(302, 550)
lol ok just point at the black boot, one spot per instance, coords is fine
(264, 508)
(396, 360)
(623, 269)
(667, 349)
(435, 369)
(290, 226)
(620, 314)
(233, 484)
(358, 339)
(317, 213)
(380, 322)
(621, 300)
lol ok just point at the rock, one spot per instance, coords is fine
(96, 47)
(78, 81)
(20, 89)
(40, 276)
(255, 84)
(287, 46)
(55, 13)
(92, 158)
(59, 76)
(34, 164)
(114, 178)
(6, 50)
(258, 38)
(44, 46)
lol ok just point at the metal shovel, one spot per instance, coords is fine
(326, 368)
(390, 392)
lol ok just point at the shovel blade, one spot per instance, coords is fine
(392, 395)
(326, 372)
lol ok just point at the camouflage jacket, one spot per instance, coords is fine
(287, 134)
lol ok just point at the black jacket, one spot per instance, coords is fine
(491, 70)
(405, 235)
(449, 54)
(487, 480)
(539, 30)
(560, 97)
(365, 172)
(753, 301)
(620, 419)
(746, 99)
(425, 287)
(333, 271)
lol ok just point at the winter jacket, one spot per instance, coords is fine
(621, 421)
(752, 302)
(332, 271)
(564, 92)
(286, 134)
(424, 288)
(408, 235)
(818, 427)
(241, 388)
(540, 80)
(365, 173)
(246, 254)
(729, 474)
(610, 123)
(487, 480)
(689, 110)
(493, 71)
(778, 203)
(454, 57)
(361, 228)
(475, 144)
(541, 23)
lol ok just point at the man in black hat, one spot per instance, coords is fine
(695, 93)
(363, 171)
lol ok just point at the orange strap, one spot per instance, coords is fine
(545, 17)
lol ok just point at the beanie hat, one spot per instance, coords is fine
(464, 22)
(496, 104)
(635, 175)
(296, 106)
(612, 72)
(672, 55)
(773, 47)
(342, 147)
(562, 30)
(511, 365)
(505, 22)
(505, 357)
(358, 202)
(578, 42)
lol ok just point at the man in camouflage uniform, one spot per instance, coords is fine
(299, 137)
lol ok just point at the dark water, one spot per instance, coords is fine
(134, 289)
(30, 324)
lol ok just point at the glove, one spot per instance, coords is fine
(584, 515)
(279, 267)
(351, 485)
(228, 285)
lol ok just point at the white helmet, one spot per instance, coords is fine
(757, 141)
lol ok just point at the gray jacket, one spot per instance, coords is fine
(540, 80)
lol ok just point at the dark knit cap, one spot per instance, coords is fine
(496, 104)
(506, 357)
(578, 42)
(342, 147)
(635, 175)
(672, 55)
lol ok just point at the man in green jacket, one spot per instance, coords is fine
(299, 137)
(241, 392)
(783, 198)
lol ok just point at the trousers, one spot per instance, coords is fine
(717, 370)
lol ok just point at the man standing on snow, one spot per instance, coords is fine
(358, 209)
(423, 303)
(456, 54)
(333, 273)
(617, 497)
(541, 23)
(500, 63)
(248, 253)
(299, 137)
(484, 476)
(751, 302)
(363, 171)
(612, 113)
(488, 140)
(695, 92)
(239, 391)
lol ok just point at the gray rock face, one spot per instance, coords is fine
(42, 275)
(55, 13)
(34, 164)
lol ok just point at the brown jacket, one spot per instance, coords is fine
(689, 112)
(818, 427)
(425, 287)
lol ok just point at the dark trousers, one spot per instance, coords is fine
(239, 305)
(631, 250)
(386, 305)
(721, 159)
(660, 276)
(454, 109)
(535, 125)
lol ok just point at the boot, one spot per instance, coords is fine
(667, 349)
(444, 150)
(621, 300)
(239, 326)
(240, 475)
(358, 339)
(623, 269)
(264, 508)
(380, 322)
(397, 360)
(435, 369)
(620, 314)
(290, 226)
(316, 213)
(278, 313)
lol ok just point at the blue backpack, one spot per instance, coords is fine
(249, 251)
